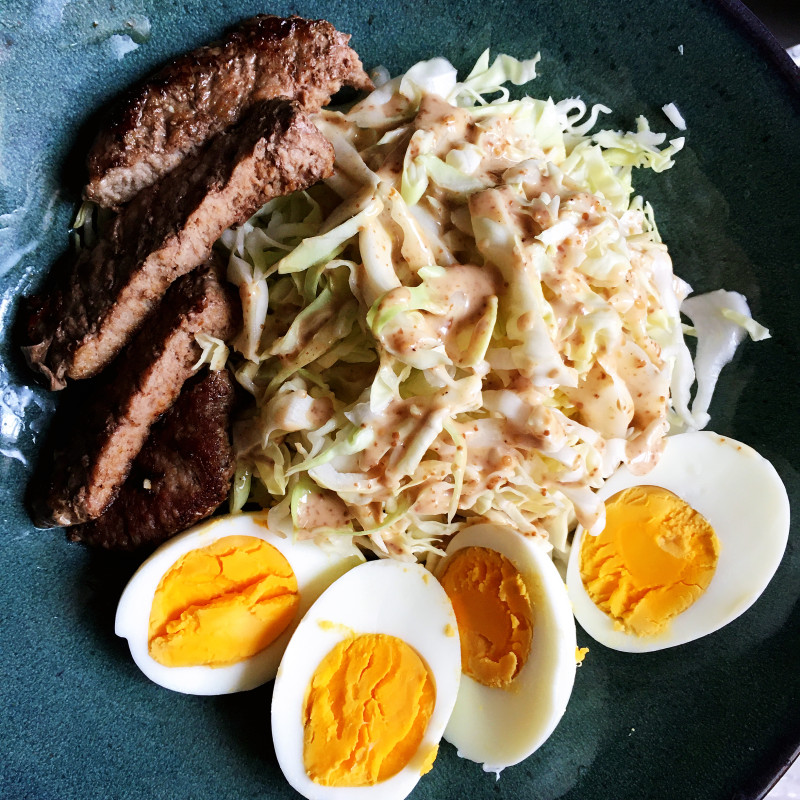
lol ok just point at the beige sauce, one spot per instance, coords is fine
(322, 510)
(448, 124)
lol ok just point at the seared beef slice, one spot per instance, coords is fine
(94, 460)
(181, 475)
(174, 112)
(166, 231)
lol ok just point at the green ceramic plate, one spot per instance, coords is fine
(717, 718)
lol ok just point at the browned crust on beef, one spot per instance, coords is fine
(182, 474)
(166, 231)
(143, 383)
(174, 112)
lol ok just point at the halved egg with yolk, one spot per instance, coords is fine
(367, 684)
(211, 611)
(685, 549)
(518, 644)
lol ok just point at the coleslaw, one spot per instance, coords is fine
(474, 319)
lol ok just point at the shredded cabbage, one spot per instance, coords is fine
(473, 319)
(720, 321)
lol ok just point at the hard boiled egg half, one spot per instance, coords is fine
(367, 684)
(518, 649)
(212, 610)
(686, 548)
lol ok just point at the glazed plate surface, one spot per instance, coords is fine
(717, 718)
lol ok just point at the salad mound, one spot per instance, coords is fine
(474, 319)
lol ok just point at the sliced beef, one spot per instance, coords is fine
(100, 445)
(168, 230)
(174, 112)
(181, 475)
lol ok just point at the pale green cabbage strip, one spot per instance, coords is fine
(472, 319)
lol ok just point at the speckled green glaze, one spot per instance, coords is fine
(712, 719)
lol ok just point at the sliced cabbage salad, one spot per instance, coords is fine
(473, 319)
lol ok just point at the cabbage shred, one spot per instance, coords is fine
(473, 319)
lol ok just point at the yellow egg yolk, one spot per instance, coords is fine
(366, 712)
(655, 557)
(221, 604)
(494, 614)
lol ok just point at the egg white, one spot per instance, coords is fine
(499, 727)
(741, 495)
(387, 597)
(314, 569)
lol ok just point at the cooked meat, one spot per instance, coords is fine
(142, 384)
(181, 475)
(168, 230)
(174, 112)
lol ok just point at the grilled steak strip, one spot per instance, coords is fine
(181, 475)
(199, 94)
(143, 383)
(168, 230)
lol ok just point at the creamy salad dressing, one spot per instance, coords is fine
(471, 321)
